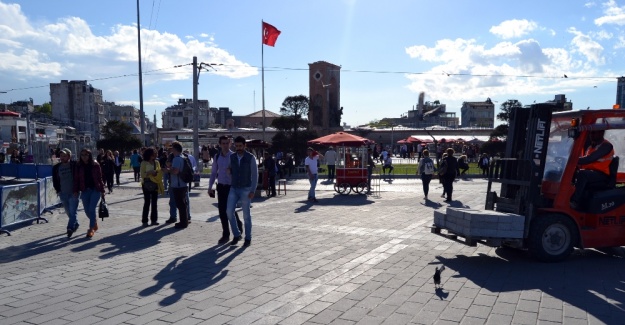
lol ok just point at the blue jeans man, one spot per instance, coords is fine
(173, 211)
(90, 198)
(241, 195)
(70, 204)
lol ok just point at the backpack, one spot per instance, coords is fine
(186, 174)
(428, 168)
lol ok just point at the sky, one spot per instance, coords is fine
(389, 51)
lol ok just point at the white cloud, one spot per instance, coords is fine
(590, 4)
(513, 28)
(68, 49)
(157, 104)
(621, 43)
(585, 45)
(176, 96)
(477, 71)
(614, 15)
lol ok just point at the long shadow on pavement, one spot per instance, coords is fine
(126, 242)
(41, 246)
(591, 280)
(194, 273)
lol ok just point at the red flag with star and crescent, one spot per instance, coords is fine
(270, 34)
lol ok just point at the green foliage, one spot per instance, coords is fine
(296, 143)
(500, 131)
(506, 108)
(493, 148)
(116, 135)
(295, 106)
(45, 108)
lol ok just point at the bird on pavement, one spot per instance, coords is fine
(437, 276)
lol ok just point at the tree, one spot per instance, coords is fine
(117, 136)
(289, 138)
(504, 115)
(45, 108)
(295, 106)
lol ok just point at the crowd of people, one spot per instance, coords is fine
(234, 174)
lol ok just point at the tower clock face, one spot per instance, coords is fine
(317, 75)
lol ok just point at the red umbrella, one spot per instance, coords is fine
(403, 141)
(341, 138)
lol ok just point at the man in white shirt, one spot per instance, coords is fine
(312, 166)
(330, 158)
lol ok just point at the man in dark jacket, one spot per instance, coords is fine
(448, 173)
(244, 176)
(63, 182)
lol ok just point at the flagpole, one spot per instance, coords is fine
(262, 60)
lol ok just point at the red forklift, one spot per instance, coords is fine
(537, 177)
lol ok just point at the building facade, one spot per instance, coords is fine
(478, 114)
(620, 92)
(324, 114)
(180, 116)
(79, 105)
(255, 120)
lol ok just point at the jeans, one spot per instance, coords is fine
(173, 208)
(137, 172)
(331, 170)
(149, 199)
(426, 183)
(223, 190)
(70, 203)
(90, 198)
(181, 197)
(240, 194)
(313, 186)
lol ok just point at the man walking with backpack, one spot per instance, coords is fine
(63, 182)
(426, 169)
(178, 184)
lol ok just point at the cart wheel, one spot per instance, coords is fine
(361, 188)
(342, 188)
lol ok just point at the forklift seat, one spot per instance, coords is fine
(611, 183)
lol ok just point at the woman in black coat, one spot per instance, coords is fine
(108, 169)
(447, 173)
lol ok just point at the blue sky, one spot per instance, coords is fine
(454, 51)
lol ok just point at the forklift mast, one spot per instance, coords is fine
(520, 171)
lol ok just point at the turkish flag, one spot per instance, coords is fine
(270, 34)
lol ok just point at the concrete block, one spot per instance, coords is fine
(439, 219)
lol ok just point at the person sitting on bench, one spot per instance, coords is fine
(594, 165)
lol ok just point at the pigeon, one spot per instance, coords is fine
(437, 276)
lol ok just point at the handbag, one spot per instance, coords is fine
(149, 185)
(103, 211)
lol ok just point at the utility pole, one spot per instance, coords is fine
(141, 115)
(196, 135)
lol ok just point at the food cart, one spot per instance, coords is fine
(351, 165)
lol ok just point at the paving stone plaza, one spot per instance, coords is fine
(349, 259)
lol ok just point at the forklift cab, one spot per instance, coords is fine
(567, 141)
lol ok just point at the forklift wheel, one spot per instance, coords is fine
(552, 237)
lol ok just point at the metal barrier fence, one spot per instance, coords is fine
(26, 201)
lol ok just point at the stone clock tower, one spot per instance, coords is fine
(325, 109)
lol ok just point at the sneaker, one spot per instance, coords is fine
(70, 232)
(180, 226)
(247, 243)
(223, 240)
(154, 223)
(171, 220)
(145, 224)
(76, 227)
(235, 241)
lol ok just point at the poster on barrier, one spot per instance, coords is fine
(41, 183)
(19, 203)
(52, 198)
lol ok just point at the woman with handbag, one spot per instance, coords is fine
(152, 185)
(88, 182)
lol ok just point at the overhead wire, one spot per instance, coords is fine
(274, 69)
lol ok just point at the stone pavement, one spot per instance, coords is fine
(346, 260)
